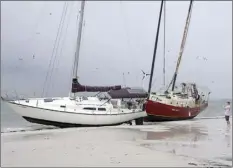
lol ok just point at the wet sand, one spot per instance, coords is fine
(194, 143)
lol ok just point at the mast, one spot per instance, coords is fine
(164, 44)
(182, 44)
(77, 52)
(155, 48)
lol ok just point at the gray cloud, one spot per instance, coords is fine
(118, 37)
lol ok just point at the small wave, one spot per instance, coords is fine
(33, 128)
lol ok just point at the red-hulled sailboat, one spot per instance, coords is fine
(174, 104)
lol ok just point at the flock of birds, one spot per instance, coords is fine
(33, 57)
(144, 74)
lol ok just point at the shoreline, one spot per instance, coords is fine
(37, 127)
(165, 144)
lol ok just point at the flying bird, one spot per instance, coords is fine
(204, 58)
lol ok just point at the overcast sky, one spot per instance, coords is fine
(118, 37)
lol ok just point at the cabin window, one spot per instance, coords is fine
(89, 108)
(27, 101)
(48, 100)
(62, 106)
(102, 109)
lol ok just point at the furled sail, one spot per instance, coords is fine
(77, 87)
(128, 93)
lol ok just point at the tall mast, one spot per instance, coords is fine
(182, 43)
(155, 48)
(77, 52)
(164, 44)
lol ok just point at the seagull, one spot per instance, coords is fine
(33, 56)
(144, 74)
(204, 58)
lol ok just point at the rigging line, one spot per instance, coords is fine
(155, 48)
(185, 33)
(124, 83)
(53, 49)
(154, 81)
(164, 44)
(56, 50)
(125, 27)
(127, 34)
(55, 45)
(63, 41)
(183, 42)
(58, 44)
(129, 49)
(189, 21)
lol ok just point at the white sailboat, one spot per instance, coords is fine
(77, 110)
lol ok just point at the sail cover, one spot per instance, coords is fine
(77, 87)
(128, 93)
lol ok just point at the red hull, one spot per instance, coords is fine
(162, 112)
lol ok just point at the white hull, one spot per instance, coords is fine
(77, 116)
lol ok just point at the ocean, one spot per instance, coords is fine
(12, 122)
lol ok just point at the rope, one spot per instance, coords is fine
(164, 44)
(56, 50)
(185, 34)
(64, 16)
(54, 47)
(63, 41)
(129, 48)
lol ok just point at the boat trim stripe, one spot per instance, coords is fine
(167, 116)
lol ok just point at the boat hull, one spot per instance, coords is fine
(162, 112)
(71, 119)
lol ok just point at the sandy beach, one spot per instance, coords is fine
(195, 143)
